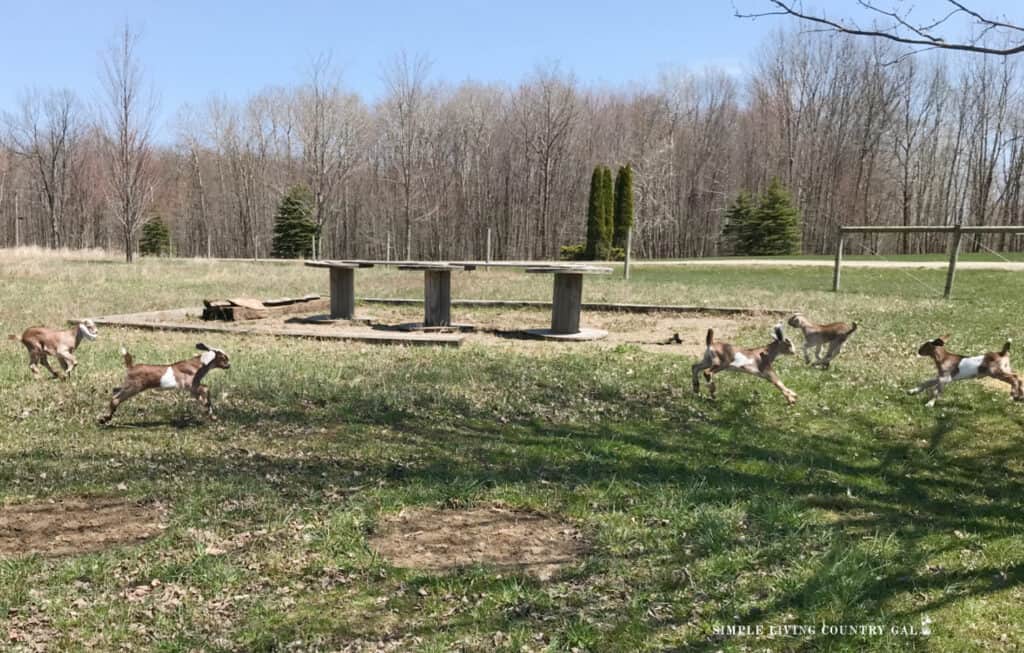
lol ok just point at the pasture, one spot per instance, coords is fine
(858, 506)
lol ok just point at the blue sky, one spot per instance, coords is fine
(192, 50)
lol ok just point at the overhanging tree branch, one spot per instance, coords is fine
(901, 30)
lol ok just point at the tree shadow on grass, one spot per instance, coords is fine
(871, 487)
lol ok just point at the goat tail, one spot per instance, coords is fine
(1006, 347)
(128, 360)
(709, 338)
(853, 327)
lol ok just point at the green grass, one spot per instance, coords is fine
(857, 506)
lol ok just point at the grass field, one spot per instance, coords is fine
(858, 506)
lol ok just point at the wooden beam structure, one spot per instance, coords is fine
(957, 232)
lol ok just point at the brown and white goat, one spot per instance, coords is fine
(723, 357)
(183, 375)
(817, 336)
(953, 367)
(61, 344)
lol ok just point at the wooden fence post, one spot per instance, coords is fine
(629, 243)
(839, 260)
(488, 248)
(954, 254)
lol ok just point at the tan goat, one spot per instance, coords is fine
(817, 336)
(61, 344)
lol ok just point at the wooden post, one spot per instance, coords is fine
(565, 304)
(313, 238)
(629, 243)
(488, 248)
(839, 260)
(387, 248)
(437, 298)
(17, 221)
(209, 243)
(343, 293)
(954, 254)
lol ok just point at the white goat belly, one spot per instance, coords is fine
(968, 368)
(167, 381)
(739, 360)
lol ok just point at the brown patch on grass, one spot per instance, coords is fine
(441, 540)
(77, 525)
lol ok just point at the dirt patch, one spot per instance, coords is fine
(440, 540)
(496, 327)
(72, 526)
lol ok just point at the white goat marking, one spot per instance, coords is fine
(739, 360)
(208, 356)
(167, 381)
(87, 333)
(968, 368)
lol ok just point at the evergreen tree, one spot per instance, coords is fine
(595, 217)
(739, 224)
(776, 224)
(156, 238)
(294, 228)
(623, 217)
(608, 209)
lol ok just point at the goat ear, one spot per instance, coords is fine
(201, 347)
(777, 332)
(939, 342)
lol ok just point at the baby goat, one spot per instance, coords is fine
(953, 367)
(183, 375)
(834, 335)
(723, 357)
(42, 342)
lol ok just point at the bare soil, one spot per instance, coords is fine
(503, 326)
(75, 525)
(441, 540)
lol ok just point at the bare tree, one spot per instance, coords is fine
(404, 114)
(45, 131)
(331, 126)
(128, 123)
(896, 21)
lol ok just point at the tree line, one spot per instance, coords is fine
(857, 131)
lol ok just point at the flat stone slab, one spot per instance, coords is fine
(583, 335)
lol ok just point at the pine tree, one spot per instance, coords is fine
(156, 238)
(739, 224)
(608, 208)
(595, 216)
(776, 225)
(294, 228)
(623, 217)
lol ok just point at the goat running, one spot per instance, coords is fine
(954, 367)
(723, 357)
(183, 375)
(61, 344)
(834, 335)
